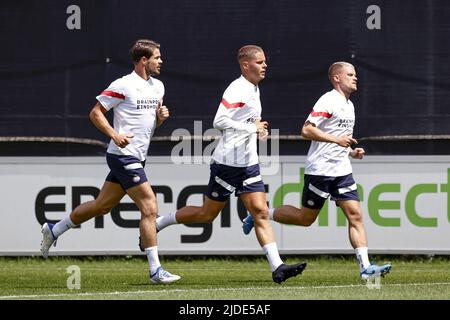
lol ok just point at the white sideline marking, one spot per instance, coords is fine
(111, 293)
(178, 269)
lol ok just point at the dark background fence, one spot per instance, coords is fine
(50, 74)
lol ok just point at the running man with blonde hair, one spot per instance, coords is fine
(328, 171)
(235, 166)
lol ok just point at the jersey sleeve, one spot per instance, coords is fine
(320, 112)
(112, 96)
(231, 102)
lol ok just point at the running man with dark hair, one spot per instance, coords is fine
(136, 100)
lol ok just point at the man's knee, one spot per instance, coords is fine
(150, 211)
(206, 216)
(307, 220)
(306, 217)
(103, 208)
(354, 217)
(260, 213)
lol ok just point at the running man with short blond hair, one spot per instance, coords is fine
(235, 166)
(328, 171)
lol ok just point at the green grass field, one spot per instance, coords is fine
(246, 278)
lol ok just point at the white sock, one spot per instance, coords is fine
(363, 258)
(271, 211)
(153, 259)
(272, 255)
(167, 220)
(62, 226)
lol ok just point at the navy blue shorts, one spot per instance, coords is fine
(318, 188)
(224, 180)
(126, 170)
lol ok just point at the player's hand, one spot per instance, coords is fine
(346, 141)
(162, 113)
(122, 140)
(357, 153)
(261, 128)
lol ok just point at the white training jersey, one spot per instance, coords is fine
(333, 114)
(239, 109)
(134, 101)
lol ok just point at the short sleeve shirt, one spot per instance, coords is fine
(134, 102)
(333, 114)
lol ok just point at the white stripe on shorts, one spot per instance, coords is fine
(132, 166)
(224, 184)
(320, 193)
(347, 189)
(252, 180)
